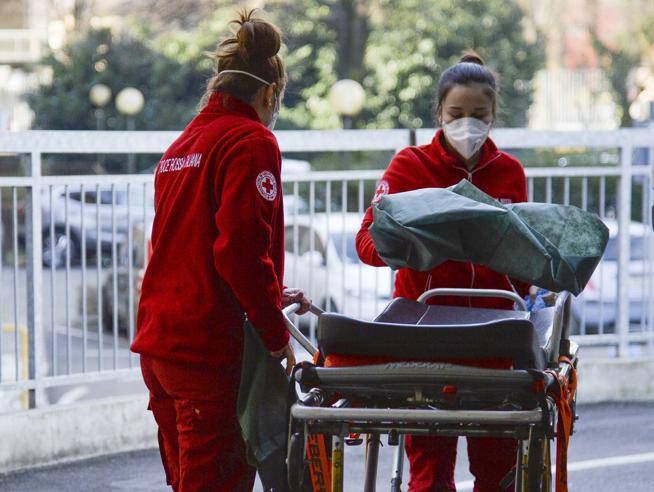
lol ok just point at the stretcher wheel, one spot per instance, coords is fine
(296, 464)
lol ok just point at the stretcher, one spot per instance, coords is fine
(420, 369)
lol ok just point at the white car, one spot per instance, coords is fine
(597, 306)
(328, 268)
(331, 275)
(55, 252)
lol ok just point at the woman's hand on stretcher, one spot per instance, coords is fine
(292, 295)
(288, 354)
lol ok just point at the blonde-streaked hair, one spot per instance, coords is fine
(252, 48)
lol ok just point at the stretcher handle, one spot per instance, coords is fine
(504, 294)
(295, 331)
(560, 325)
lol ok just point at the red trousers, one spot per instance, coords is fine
(199, 436)
(432, 461)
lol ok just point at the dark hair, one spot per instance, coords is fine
(252, 48)
(470, 70)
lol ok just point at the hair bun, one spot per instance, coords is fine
(257, 39)
(471, 56)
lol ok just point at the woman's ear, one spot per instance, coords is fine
(439, 116)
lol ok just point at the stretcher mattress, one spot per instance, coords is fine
(410, 330)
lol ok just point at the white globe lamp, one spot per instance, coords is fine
(347, 97)
(130, 101)
(100, 95)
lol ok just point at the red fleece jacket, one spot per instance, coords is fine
(433, 166)
(217, 240)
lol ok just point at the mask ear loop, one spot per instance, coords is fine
(246, 73)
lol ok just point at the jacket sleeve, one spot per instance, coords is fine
(248, 193)
(395, 179)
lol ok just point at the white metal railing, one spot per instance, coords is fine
(95, 228)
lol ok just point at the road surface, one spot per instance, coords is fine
(613, 449)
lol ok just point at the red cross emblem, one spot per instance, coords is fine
(382, 189)
(267, 185)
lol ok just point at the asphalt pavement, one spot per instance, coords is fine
(612, 450)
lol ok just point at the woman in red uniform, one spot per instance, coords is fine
(467, 100)
(218, 252)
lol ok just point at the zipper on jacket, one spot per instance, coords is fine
(470, 173)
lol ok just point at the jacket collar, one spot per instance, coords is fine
(220, 102)
(489, 153)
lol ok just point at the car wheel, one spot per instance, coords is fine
(54, 252)
(108, 305)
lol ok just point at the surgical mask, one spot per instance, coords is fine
(467, 135)
(275, 114)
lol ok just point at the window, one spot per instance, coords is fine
(303, 241)
(637, 249)
(351, 254)
(89, 197)
(105, 197)
(77, 196)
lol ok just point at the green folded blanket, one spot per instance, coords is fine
(556, 247)
(263, 409)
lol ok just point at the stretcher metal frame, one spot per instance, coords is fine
(330, 408)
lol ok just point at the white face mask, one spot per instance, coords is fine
(275, 114)
(467, 135)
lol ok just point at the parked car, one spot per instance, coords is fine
(331, 273)
(598, 304)
(56, 244)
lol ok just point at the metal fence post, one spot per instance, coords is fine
(650, 255)
(34, 272)
(624, 253)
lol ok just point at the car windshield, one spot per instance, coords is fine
(350, 246)
(637, 248)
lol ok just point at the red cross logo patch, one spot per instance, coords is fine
(267, 185)
(382, 189)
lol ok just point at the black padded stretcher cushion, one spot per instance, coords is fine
(412, 330)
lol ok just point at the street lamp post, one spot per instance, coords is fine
(347, 98)
(129, 102)
(100, 95)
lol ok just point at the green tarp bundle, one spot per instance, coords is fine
(556, 247)
(263, 408)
